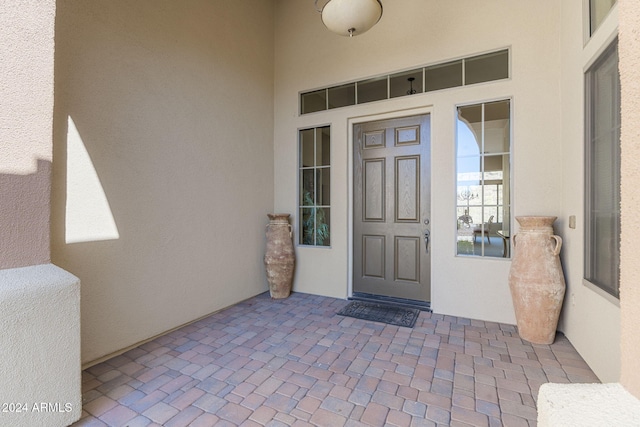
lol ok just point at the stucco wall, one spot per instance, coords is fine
(163, 160)
(26, 111)
(590, 318)
(629, 50)
(413, 33)
(39, 347)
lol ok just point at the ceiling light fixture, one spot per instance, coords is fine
(350, 17)
(411, 90)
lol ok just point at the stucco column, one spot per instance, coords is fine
(26, 117)
(629, 51)
(39, 347)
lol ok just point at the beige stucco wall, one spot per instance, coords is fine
(26, 110)
(590, 318)
(163, 160)
(39, 347)
(413, 33)
(629, 50)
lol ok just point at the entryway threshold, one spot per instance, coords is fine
(399, 302)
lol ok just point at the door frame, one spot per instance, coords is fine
(351, 121)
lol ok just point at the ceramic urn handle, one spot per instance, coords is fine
(556, 250)
(290, 229)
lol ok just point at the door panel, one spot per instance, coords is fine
(407, 189)
(407, 258)
(373, 256)
(374, 185)
(392, 207)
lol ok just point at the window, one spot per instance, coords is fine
(602, 181)
(315, 183)
(443, 76)
(342, 96)
(598, 11)
(485, 68)
(483, 170)
(311, 102)
(462, 72)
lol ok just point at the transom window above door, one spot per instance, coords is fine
(460, 72)
(483, 184)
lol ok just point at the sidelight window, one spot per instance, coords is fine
(483, 170)
(314, 186)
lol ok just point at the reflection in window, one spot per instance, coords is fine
(483, 170)
(407, 83)
(315, 183)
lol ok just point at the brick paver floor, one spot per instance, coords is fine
(295, 362)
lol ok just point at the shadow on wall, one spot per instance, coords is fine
(24, 217)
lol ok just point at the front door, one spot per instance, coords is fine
(391, 208)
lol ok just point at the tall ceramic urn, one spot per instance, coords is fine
(279, 257)
(536, 279)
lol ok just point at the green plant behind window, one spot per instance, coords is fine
(314, 222)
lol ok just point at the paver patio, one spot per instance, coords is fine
(295, 362)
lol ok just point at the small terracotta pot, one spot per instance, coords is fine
(536, 279)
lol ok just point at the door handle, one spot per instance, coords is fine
(426, 240)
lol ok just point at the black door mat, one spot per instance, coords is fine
(392, 315)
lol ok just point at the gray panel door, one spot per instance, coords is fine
(391, 208)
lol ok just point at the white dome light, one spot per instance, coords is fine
(351, 17)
